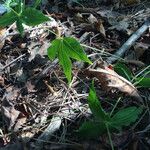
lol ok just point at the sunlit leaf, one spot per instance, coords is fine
(53, 49)
(65, 49)
(66, 63)
(74, 49)
(32, 17)
(7, 19)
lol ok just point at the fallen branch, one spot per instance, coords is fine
(129, 42)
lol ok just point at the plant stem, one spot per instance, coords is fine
(115, 106)
(109, 136)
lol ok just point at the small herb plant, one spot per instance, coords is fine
(106, 122)
(65, 48)
(141, 79)
(21, 14)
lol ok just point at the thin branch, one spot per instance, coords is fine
(120, 52)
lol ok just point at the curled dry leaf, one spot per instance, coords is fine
(109, 80)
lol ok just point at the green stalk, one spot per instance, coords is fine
(109, 136)
(115, 106)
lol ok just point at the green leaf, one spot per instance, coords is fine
(65, 49)
(7, 19)
(20, 26)
(125, 117)
(36, 3)
(74, 49)
(91, 129)
(143, 82)
(53, 49)
(19, 7)
(10, 3)
(123, 71)
(95, 106)
(65, 62)
(32, 17)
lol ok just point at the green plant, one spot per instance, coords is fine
(141, 79)
(106, 122)
(18, 12)
(64, 48)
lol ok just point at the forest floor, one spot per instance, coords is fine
(38, 108)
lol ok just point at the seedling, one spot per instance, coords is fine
(139, 79)
(106, 122)
(21, 14)
(64, 48)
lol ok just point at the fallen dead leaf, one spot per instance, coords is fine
(100, 27)
(140, 48)
(13, 118)
(109, 80)
(1, 81)
(92, 19)
(2, 35)
(97, 23)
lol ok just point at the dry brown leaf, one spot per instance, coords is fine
(109, 79)
(101, 28)
(98, 24)
(1, 81)
(140, 48)
(2, 35)
(92, 19)
(13, 118)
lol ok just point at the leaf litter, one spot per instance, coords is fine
(28, 98)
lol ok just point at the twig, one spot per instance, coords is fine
(21, 56)
(129, 42)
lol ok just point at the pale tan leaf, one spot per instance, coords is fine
(100, 27)
(109, 80)
(2, 37)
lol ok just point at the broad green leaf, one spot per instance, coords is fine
(65, 49)
(95, 106)
(53, 49)
(65, 62)
(74, 49)
(91, 129)
(32, 17)
(19, 26)
(123, 71)
(143, 82)
(125, 117)
(7, 19)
